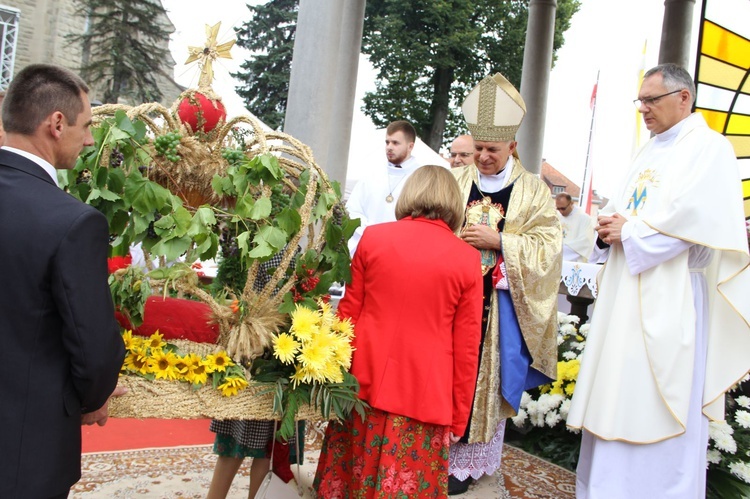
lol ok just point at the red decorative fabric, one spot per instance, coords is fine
(386, 456)
(175, 318)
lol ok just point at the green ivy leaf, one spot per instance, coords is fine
(202, 222)
(288, 220)
(172, 249)
(143, 195)
(123, 123)
(244, 207)
(140, 131)
(261, 209)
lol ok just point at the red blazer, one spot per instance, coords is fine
(416, 302)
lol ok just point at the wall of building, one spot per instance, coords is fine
(43, 27)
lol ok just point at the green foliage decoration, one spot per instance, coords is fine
(140, 210)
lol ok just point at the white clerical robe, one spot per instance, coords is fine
(669, 333)
(578, 235)
(368, 200)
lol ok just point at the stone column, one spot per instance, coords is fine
(340, 128)
(323, 80)
(537, 64)
(676, 32)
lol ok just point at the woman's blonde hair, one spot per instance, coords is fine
(433, 193)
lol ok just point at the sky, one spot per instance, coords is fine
(605, 37)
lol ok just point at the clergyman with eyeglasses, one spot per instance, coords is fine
(462, 151)
(658, 358)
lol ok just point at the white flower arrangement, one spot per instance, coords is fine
(545, 409)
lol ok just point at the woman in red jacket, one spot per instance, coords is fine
(415, 300)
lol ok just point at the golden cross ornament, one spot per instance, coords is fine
(208, 54)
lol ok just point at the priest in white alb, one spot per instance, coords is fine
(577, 229)
(669, 334)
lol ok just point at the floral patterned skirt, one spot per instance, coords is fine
(384, 456)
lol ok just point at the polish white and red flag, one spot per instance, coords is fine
(587, 190)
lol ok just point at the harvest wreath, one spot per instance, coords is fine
(249, 197)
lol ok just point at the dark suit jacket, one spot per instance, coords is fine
(61, 350)
(416, 303)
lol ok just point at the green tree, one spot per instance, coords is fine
(269, 34)
(124, 47)
(430, 53)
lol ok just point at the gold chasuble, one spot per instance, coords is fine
(531, 242)
(636, 375)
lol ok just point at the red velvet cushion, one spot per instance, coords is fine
(175, 319)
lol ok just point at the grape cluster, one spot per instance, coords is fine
(228, 243)
(233, 156)
(166, 145)
(150, 232)
(116, 158)
(279, 199)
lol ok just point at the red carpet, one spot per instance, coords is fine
(123, 434)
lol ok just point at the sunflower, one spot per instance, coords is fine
(131, 343)
(162, 364)
(182, 366)
(285, 347)
(218, 361)
(197, 373)
(156, 341)
(137, 361)
(232, 386)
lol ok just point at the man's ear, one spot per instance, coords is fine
(57, 124)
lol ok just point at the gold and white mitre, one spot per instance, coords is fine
(493, 110)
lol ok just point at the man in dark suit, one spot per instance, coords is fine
(61, 348)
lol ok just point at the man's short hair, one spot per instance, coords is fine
(402, 126)
(38, 91)
(674, 77)
(564, 195)
(433, 193)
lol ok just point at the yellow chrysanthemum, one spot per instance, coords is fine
(556, 390)
(131, 343)
(300, 375)
(137, 361)
(315, 354)
(327, 316)
(331, 372)
(285, 347)
(162, 364)
(156, 341)
(218, 362)
(342, 351)
(570, 388)
(197, 373)
(305, 323)
(343, 327)
(232, 386)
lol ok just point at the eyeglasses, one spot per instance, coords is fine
(563, 208)
(462, 154)
(650, 101)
